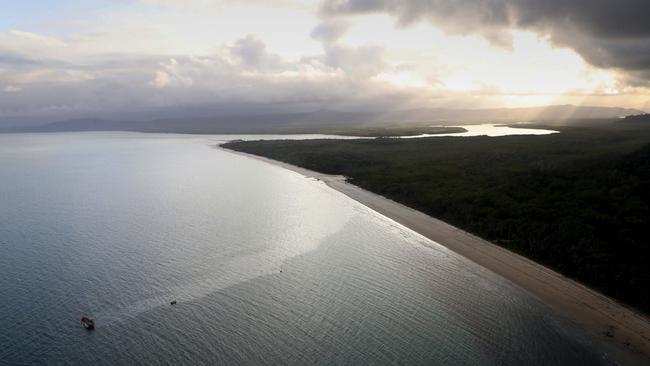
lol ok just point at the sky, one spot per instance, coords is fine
(70, 58)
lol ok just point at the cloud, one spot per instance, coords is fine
(330, 30)
(161, 79)
(186, 54)
(244, 72)
(11, 89)
(358, 63)
(202, 3)
(607, 34)
(21, 47)
(251, 52)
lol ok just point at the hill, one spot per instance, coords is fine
(325, 121)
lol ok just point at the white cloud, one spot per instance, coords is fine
(161, 79)
(20, 43)
(243, 71)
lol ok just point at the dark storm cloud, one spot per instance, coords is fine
(606, 33)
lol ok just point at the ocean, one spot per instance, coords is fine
(267, 267)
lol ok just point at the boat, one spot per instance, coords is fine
(87, 323)
(173, 302)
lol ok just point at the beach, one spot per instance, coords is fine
(623, 330)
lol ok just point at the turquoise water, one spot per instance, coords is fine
(267, 266)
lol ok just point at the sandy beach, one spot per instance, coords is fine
(625, 332)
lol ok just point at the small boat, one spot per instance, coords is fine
(87, 323)
(173, 302)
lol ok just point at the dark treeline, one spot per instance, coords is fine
(577, 201)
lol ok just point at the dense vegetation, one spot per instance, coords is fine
(578, 201)
(638, 118)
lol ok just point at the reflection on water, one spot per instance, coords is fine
(268, 267)
(489, 129)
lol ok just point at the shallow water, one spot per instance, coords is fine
(267, 266)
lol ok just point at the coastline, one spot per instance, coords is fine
(616, 325)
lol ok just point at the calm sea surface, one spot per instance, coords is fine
(267, 266)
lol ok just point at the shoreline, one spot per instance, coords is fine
(609, 321)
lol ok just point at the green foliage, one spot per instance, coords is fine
(578, 201)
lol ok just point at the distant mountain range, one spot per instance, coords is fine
(324, 121)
